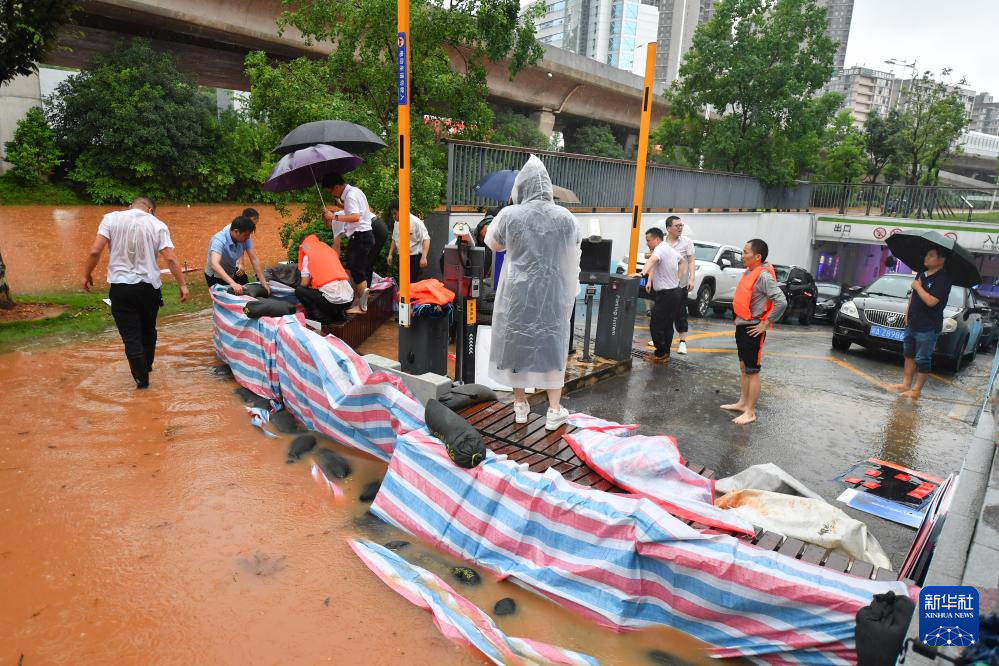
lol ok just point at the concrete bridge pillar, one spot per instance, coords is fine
(16, 98)
(545, 118)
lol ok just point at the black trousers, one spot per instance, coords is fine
(664, 307)
(380, 232)
(134, 308)
(318, 308)
(415, 272)
(239, 279)
(680, 321)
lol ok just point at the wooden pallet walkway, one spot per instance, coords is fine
(529, 443)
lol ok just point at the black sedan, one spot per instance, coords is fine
(875, 318)
(831, 296)
(799, 289)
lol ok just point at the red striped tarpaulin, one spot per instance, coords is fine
(458, 618)
(624, 561)
(247, 345)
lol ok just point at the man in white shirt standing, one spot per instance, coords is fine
(661, 271)
(134, 237)
(685, 248)
(354, 222)
(419, 243)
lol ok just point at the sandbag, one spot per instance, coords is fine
(463, 442)
(268, 307)
(286, 273)
(813, 521)
(254, 289)
(299, 447)
(766, 476)
(881, 628)
(333, 465)
(467, 395)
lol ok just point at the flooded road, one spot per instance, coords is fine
(160, 526)
(44, 247)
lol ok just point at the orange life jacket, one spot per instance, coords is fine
(741, 304)
(431, 292)
(324, 263)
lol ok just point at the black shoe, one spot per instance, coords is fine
(140, 372)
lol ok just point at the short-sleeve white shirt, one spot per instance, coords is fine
(417, 234)
(664, 273)
(354, 203)
(135, 238)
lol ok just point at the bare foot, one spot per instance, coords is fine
(897, 388)
(914, 394)
(745, 419)
(734, 407)
(355, 311)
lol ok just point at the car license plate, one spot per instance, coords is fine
(896, 334)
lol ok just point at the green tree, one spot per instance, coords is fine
(513, 129)
(130, 124)
(28, 29)
(357, 81)
(33, 152)
(842, 157)
(931, 119)
(880, 142)
(756, 66)
(595, 140)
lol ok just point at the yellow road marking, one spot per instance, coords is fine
(857, 371)
(952, 383)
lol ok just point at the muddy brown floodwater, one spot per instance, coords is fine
(159, 526)
(44, 247)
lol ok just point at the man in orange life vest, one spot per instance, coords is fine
(758, 302)
(325, 291)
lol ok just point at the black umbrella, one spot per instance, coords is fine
(911, 246)
(344, 135)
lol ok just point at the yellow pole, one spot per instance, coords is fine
(402, 64)
(643, 155)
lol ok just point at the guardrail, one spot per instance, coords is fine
(601, 182)
(913, 201)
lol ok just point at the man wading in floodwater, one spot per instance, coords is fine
(134, 237)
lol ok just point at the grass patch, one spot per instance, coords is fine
(975, 217)
(13, 193)
(87, 314)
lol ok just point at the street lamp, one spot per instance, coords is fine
(902, 63)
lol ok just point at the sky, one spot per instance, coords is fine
(960, 34)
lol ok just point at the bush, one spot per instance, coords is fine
(33, 152)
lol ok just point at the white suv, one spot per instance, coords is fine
(719, 268)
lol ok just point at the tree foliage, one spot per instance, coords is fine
(595, 140)
(931, 118)
(357, 81)
(33, 151)
(131, 124)
(514, 129)
(842, 156)
(28, 29)
(760, 82)
(879, 142)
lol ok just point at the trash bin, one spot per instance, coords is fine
(423, 346)
(616, 318)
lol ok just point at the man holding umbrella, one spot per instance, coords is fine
(924, 320)
(353, 221)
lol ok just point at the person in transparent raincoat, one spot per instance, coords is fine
(536, 293)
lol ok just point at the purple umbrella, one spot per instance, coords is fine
(306, 167)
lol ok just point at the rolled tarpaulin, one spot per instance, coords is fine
(463, 442)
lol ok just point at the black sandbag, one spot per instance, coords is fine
(285, 423)
(254, 289)
(333, 465)
(268, 307)
(505, 606)
(286, 273)
(370, 490)
(463, 442)
(881, 628)
(300, 446)
(251, 398)
(467, 395)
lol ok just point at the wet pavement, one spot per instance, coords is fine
(820, 411)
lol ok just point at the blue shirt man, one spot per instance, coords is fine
(930, 291)
(224, 252)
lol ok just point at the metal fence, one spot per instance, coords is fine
(601, 182)
(913, 201)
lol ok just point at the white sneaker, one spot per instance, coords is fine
(652, 344)
(521, 410)
(556, 420)
(681, 348)
(364, 299)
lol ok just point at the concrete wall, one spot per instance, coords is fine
(16, 99)
(789, 235)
